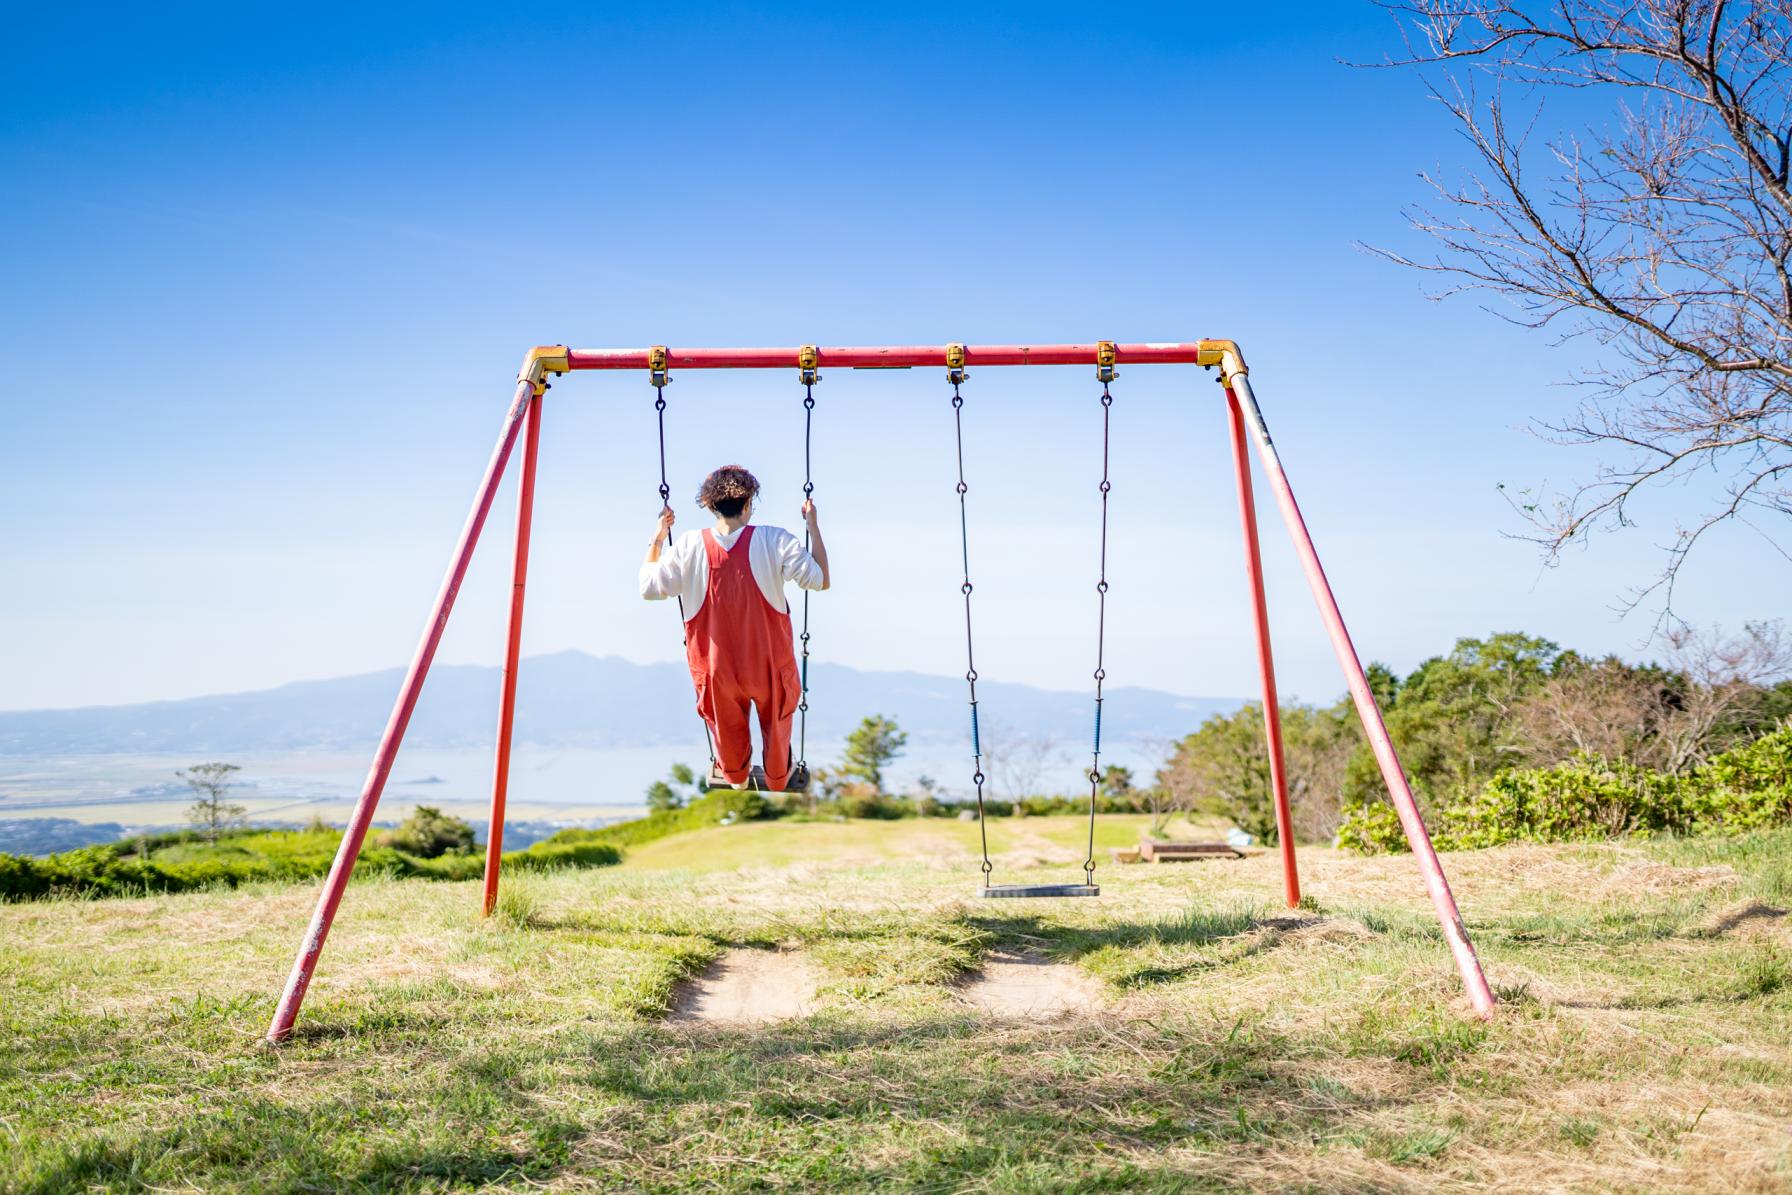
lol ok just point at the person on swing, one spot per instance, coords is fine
(738, 639)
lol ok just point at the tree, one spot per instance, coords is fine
(1663, 232)
(870, 749)
(210, 811)
(1116, 781)
(1017, 761)
(674, 792)
(1599, 707)
(1223, 769)
(1452, 719)
(428, 833)
(1726, 678)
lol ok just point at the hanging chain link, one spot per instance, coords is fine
(1101, 627)
(659, 379)
(809, 378)
(956, 376)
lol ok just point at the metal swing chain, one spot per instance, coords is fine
(809, 378)
(660, 377)
(956, 375)
(1106, 374)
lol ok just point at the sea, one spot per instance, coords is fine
(51, 803)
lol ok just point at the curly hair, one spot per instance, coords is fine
(728, 490)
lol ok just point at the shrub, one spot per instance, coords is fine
(1371, 828)
(21, 878)
(1590, 798)
(545, 856)
(863, 801)
(182, 864)
(429, 832)
(1748, 787)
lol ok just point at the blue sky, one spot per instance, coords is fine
(267, 279)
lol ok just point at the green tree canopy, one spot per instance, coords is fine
(871, 748)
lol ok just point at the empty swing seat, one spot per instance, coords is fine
(1015, 891)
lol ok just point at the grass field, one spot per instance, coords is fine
(1645, 1042)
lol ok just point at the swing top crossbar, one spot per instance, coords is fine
(558, 359)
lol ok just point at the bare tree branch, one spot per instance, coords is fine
(1662, 232)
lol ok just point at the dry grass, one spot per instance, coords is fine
(1644, 1042)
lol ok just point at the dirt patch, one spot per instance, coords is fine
(1015, 984)
(1634, 878)
(1744, 919)
(746, 987)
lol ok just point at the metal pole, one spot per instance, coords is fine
(519, 576)
(304, 966)
(1266, 665)
(1479, 995)
(898, 356)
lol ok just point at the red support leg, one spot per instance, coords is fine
(1266, 666)
(519, 576)
(304, 966)
(1442, 901)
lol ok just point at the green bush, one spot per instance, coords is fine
(545, 856)
(873, 805)
(1371, 828)
(1590, 798)
(183, 863)
(429, 833)
(21, 878)
(1749, 787)
(708, 810)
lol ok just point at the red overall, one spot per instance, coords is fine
(740, 652)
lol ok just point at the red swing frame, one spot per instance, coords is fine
(523, 419)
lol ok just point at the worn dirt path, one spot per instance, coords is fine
(1012, 984)
(747, 987)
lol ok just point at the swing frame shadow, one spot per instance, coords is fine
(523, 420)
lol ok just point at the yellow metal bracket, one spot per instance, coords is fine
(657, 371)
(808, 360)
(1104, 362)
(539, 362)
(955, 364)
(1223, 353)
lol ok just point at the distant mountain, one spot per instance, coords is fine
(573, 699)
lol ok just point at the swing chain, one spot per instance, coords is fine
(808, 375)
(656, 359)
(1105, 374)
(955, 374)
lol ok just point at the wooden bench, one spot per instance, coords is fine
(1159, 850)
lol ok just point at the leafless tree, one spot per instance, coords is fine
(1671, 719)
(1599, 707)
(1661, 231)
(1724, 674)
(1017, 761)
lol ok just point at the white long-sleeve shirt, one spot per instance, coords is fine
(774, 555)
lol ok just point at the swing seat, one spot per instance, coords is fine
(797, 785)
(1014, 891)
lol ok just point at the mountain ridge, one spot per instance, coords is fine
(572, 698)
